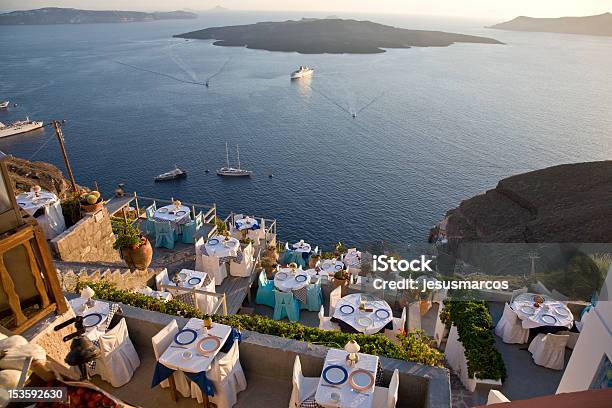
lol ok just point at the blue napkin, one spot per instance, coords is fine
(202, 381)
(234, 335)
(160, 374)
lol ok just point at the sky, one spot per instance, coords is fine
(465, 8)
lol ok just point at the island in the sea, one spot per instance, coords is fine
(600, 24)
(57, 15)
(332, 36)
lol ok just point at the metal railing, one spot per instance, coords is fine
(221, 303)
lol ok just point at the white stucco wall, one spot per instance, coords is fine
(595, 340)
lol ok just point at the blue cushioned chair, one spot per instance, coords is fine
(315, 297)
(298, 258)
(286, 258)
(149, 223)
(191, 228)
(164, 235)
(265, 291)
(286, 306)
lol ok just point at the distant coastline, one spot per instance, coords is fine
(589, 25)
(57, 15)
(331, 36)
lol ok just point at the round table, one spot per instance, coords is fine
(169, 213)
(301, 247)
(246, 223)
(222, 248)
(52, 218)
(378, 322)
(551, 313)
(330, 267)
(290, 283)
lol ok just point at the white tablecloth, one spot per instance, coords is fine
(348, 397)
(157, 294)
(170, 213)
(246, 223)
(222, 248)
(328, 265)
(205, 303)
(94, 332)
(305, 247)
(173, 359)
(549, 307)
(353, 259)
(290, 283)
(351, 319)
(52, 220)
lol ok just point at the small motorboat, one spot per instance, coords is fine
(4, 104)
(172, 174)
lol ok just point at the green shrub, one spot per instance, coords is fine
(415, 347)
(474, 325)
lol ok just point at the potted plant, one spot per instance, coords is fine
(340, 249)
(91, 201)
(313, 260)
(221, 227)
(327, 255)
(244, 242)
(341, 278)
(134, 247)
(272, 253)
(269, 265)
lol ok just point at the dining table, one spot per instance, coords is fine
(294, 281)
(331, 266)
(246, 223)
(190, 279)
(220, 247)
(344, 385)
(46, 207)
(95, 318)
(302, 247)
(192, 351)
(375, 317)
(551, 313)
(177, 216)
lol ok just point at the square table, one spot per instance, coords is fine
(348, 397)
(94, 332)
(172, 356)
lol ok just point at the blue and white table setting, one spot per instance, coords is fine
(219, 247)
(344, 385)
(192, 352)
(46, 208)
(302, 247)
(331, 266)
(95, 318)
(552, 313)
(190, 279)
(156, 294)
(374, 316)
(352, 259)
(246, 223)
(176, 215)
(295, 281)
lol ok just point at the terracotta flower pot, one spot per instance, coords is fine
(88, 208)
(425, 306)
(343, 283)
(312, 261)
(140, 257)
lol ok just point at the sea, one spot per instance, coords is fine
(433, 126)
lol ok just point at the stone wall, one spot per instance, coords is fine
(89, 240)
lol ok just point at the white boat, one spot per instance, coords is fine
(4, 104)
(233, 171)
(302, 72)
(21, 126)
(172, 174)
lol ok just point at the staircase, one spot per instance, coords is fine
(71, 273)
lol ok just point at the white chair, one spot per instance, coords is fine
(162, 278)
(334, 297)
(238, 217)
(399, 324)
(244, 268)
(573, 338)
(440, 328)
(517, 292)
(303, 387)
(414, 316)
(227, 377)
(259, 233)
(548, 350)
(209, 264)
(439, 296)
(387, 397)
(118, 359)
(325, 323)
(286, 246)
(509, 328)
(496, 397)
(161, 341)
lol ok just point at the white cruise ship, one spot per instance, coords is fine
(21, 126)
(302, 72)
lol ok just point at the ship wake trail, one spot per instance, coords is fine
(181, 63)
(331, 100)
(219, 71)
(159, 73)
(372, 102)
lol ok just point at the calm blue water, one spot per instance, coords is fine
(445, 123)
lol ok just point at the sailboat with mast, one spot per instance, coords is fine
(232, 171)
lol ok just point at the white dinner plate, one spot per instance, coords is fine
(528, 310)
(364, 321)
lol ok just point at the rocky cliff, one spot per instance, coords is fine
(26, 174)
(566, 203)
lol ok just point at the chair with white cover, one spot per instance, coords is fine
(161, 341)
(387, 397)
(334, 296)
(414, 316)
(209, 264)
(510, 329)
(399, 325)
(259, 233)
(242, 269)
(325, 323)
(303, 387)
(118, 359)
(496, 397)
(548, 350)
(162, 278)
(227, 378)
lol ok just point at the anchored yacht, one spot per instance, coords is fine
(21, 126)
(172, 174)
(302, 72)
(4, 104)
(232, 171)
